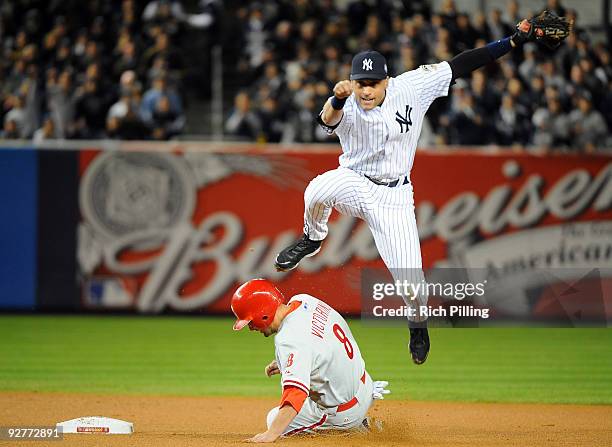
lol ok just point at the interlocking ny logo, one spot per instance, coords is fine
(367, 64)
(405, 120)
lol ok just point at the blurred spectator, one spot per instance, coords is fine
(90, 108)
(283, 41)
(516, 90)
(315, 53)
(166, 15)
(127, 59)
(606, 108)
(593, 83)
(579, 85)
(88, 58)
(158, 69)
(61, 103)
(151, 98)
(46, 132)
(466, 35)
(467, 124)
(272, 121)
(120, 108)
(556, 7)
(86, 70)
(272, 78)
(588, 126)
(604, 69)
(162, 48)
(413, 39)
(536, 93)
(10, 131)
(481, 26)
(128, 127)
(528, 67)
(511, 125)
(255, 34)
(166, 122)
(552, 126)
(32, 91)
(483, 94)
(497, 27)
(162, 10)
(512, 14)
(448, 12)
(427, 137)
(16, 114)
(113, 125)
(128, 83)
(302, 128)
(548, 69)
(243, 123)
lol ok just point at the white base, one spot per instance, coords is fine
(96, 424)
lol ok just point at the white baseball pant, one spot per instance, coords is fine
(389, 213)
(313, 418)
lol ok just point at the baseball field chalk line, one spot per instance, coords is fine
(96, 424)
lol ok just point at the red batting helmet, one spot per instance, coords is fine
(256, 301)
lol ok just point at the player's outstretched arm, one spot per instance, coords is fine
(546, 28)
(332, 110)
(281, 422)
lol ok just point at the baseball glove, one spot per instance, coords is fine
(546, 28)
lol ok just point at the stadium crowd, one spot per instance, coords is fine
(115, 69)
(294, 52)
(95, 69)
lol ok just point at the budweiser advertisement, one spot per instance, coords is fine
(177, 231)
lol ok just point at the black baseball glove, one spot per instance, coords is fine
(546, 28)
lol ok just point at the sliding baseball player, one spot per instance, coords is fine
(324, 380)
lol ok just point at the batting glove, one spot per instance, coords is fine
(380, 390)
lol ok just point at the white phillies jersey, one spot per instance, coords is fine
(381, 142)
(316, 352)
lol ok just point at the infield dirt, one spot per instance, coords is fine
(214, 421)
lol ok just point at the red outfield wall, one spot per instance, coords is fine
(179, 231)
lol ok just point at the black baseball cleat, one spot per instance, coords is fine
(419, 345)
(290, 257)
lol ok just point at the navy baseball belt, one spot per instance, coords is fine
(391, 184)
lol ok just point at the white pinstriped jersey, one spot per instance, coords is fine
(316, 352)
(381, 143)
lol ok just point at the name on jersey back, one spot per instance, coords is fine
(320, 315)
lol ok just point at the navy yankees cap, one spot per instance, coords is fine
(369, 65)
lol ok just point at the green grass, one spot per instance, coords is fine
(192, 356)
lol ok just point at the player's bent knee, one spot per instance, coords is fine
(271, 416)
(312, 196)
(318, 190)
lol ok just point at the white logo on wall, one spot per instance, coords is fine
(367, 64)
(129, 192)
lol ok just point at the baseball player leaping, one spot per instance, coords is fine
(324, 381)
(378, 121)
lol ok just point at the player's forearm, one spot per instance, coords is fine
(331, 116)
(282, 420)
(466, 62)
(332, 110)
